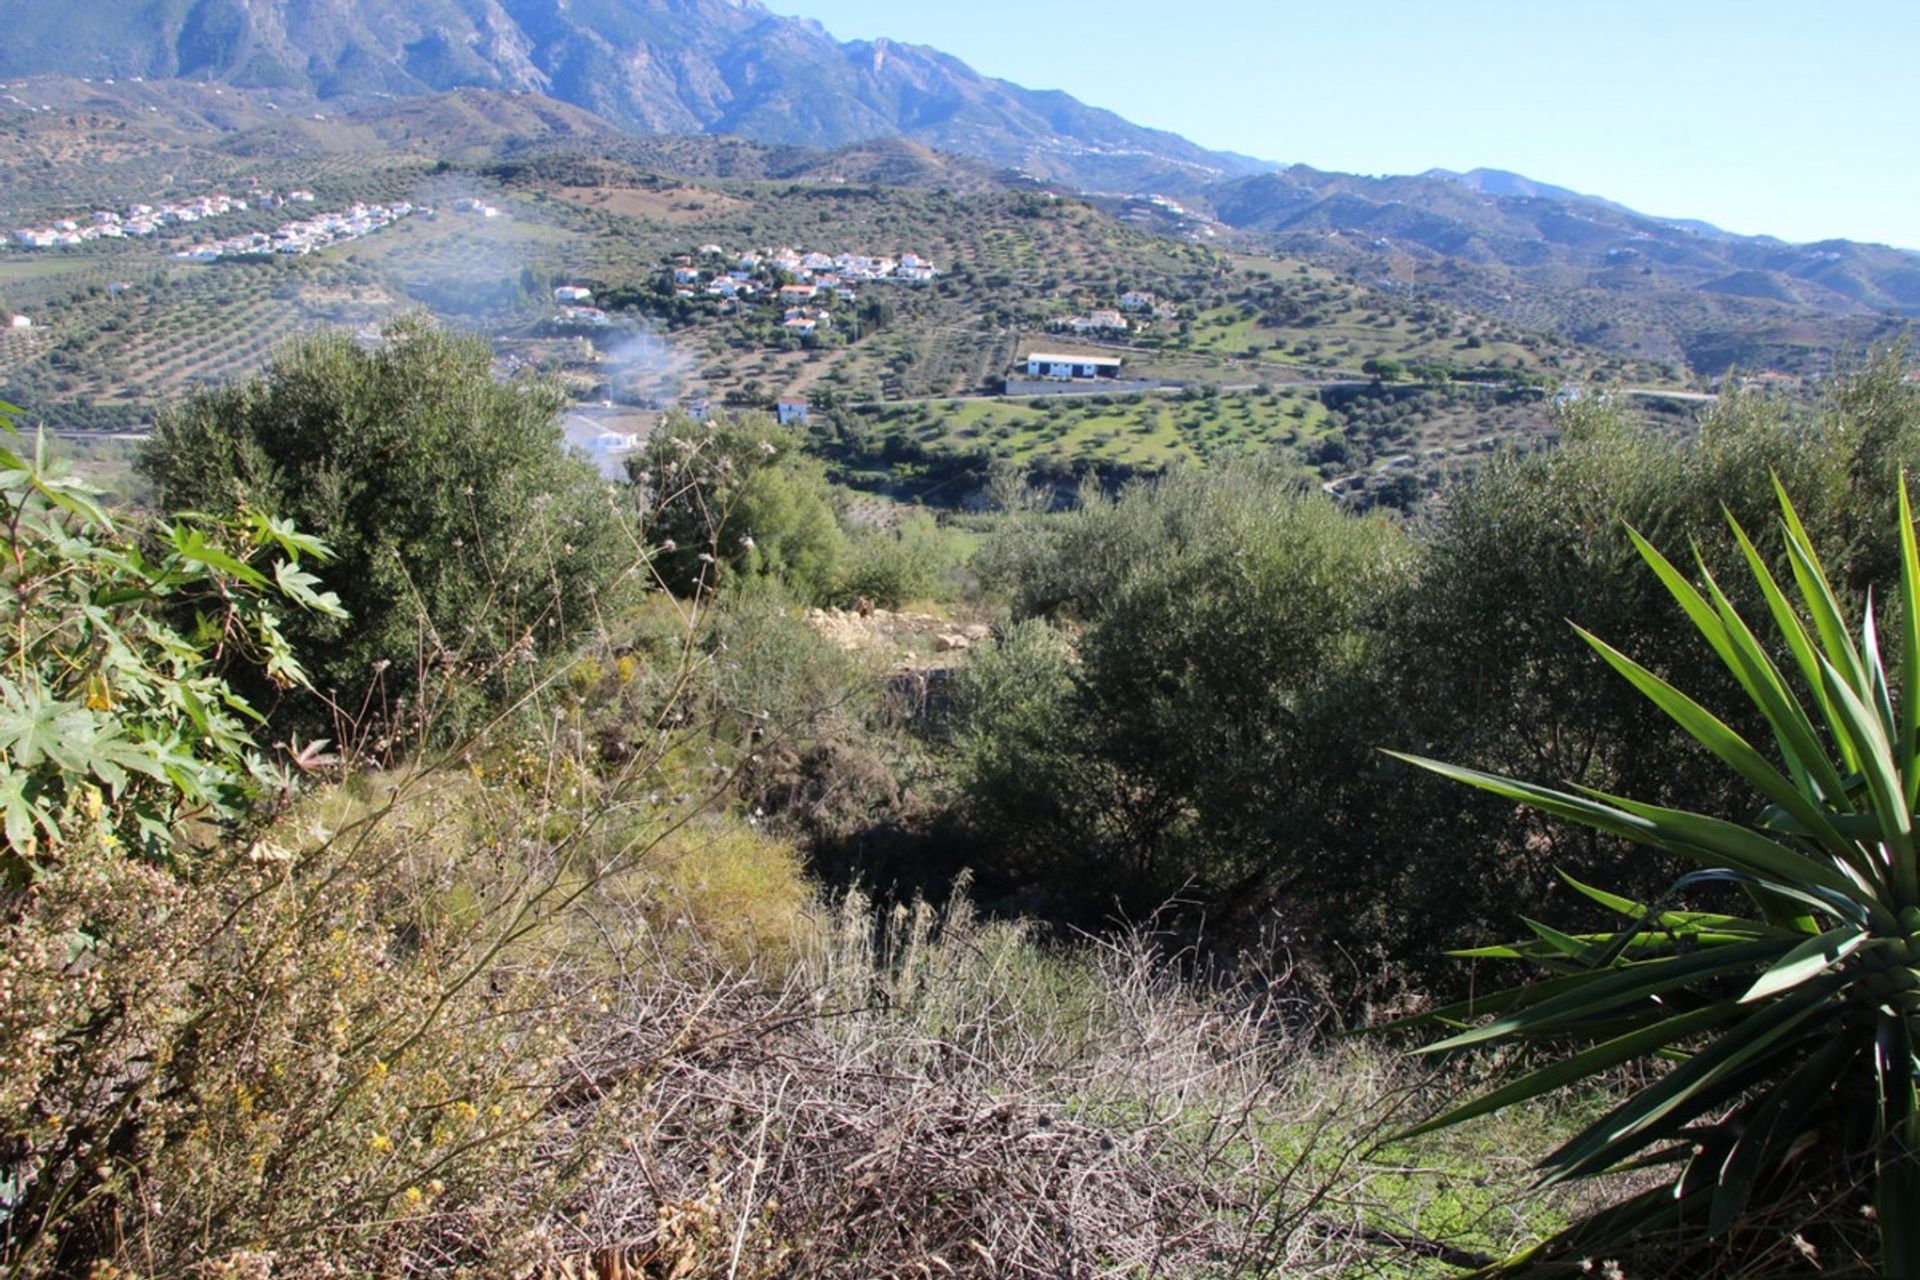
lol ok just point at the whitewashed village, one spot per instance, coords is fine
(304, 236)
(296, 237)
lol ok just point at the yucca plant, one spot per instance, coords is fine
(1791, 1031)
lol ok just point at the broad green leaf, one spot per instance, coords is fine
(1713, 734)
(1805, 654)
(1897, 1150)
(190, 544)
(1774, 1127)
(1706, 839)
(1909, 647)
(1604, 991)
(1680, 920)
(298, 585)
(1852, 718)
(1565, 944)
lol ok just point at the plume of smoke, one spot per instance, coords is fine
(642, 367)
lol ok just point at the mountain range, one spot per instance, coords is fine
(656, 66)
(570, 71)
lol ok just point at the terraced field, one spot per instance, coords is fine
(1250, 334)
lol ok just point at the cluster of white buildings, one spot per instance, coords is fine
(1134, 302)
(295, 239)
(576, 307)
(752, 274)
(142, 220)
(478, 208)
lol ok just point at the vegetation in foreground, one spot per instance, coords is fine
(544, 986)
(1794, 1025)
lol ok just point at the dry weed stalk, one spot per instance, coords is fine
(941, 1096)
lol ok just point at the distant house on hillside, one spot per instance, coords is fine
(791, 412)
(1136, 301)
(19, 322)
(1043, 364)
(572, 293)
(1096, 322)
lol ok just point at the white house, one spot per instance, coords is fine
(1097, 322)
(1135, 300)
(1043, 364)
(19, 322)
(791, 412)
(572, 293)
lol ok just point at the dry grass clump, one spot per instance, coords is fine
(939, 1095)
(301, 1052)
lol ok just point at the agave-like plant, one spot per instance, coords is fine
(1791, 1031)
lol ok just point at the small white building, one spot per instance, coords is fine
(19, 322)
(572, 293)
(1045, 364)
(791, 412)
(1096, 322)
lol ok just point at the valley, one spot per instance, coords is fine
(513, 198)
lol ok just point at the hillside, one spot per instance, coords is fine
(1264, 354)
(657, 66)
(727, 89)
(1591, 270)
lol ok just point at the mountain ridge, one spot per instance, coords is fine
(657, 66)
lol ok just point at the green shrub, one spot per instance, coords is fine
(894, 566)
(735, 497)
(1214, 613)
(464, 536)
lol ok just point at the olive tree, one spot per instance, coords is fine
(465, 537)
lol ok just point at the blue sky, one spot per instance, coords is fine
(1800, 120)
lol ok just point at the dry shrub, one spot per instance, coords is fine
(939, 1095)
(436, 1023)
(297, 1053)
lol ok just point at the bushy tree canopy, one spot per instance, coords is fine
(462, 530)
(735, 497)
